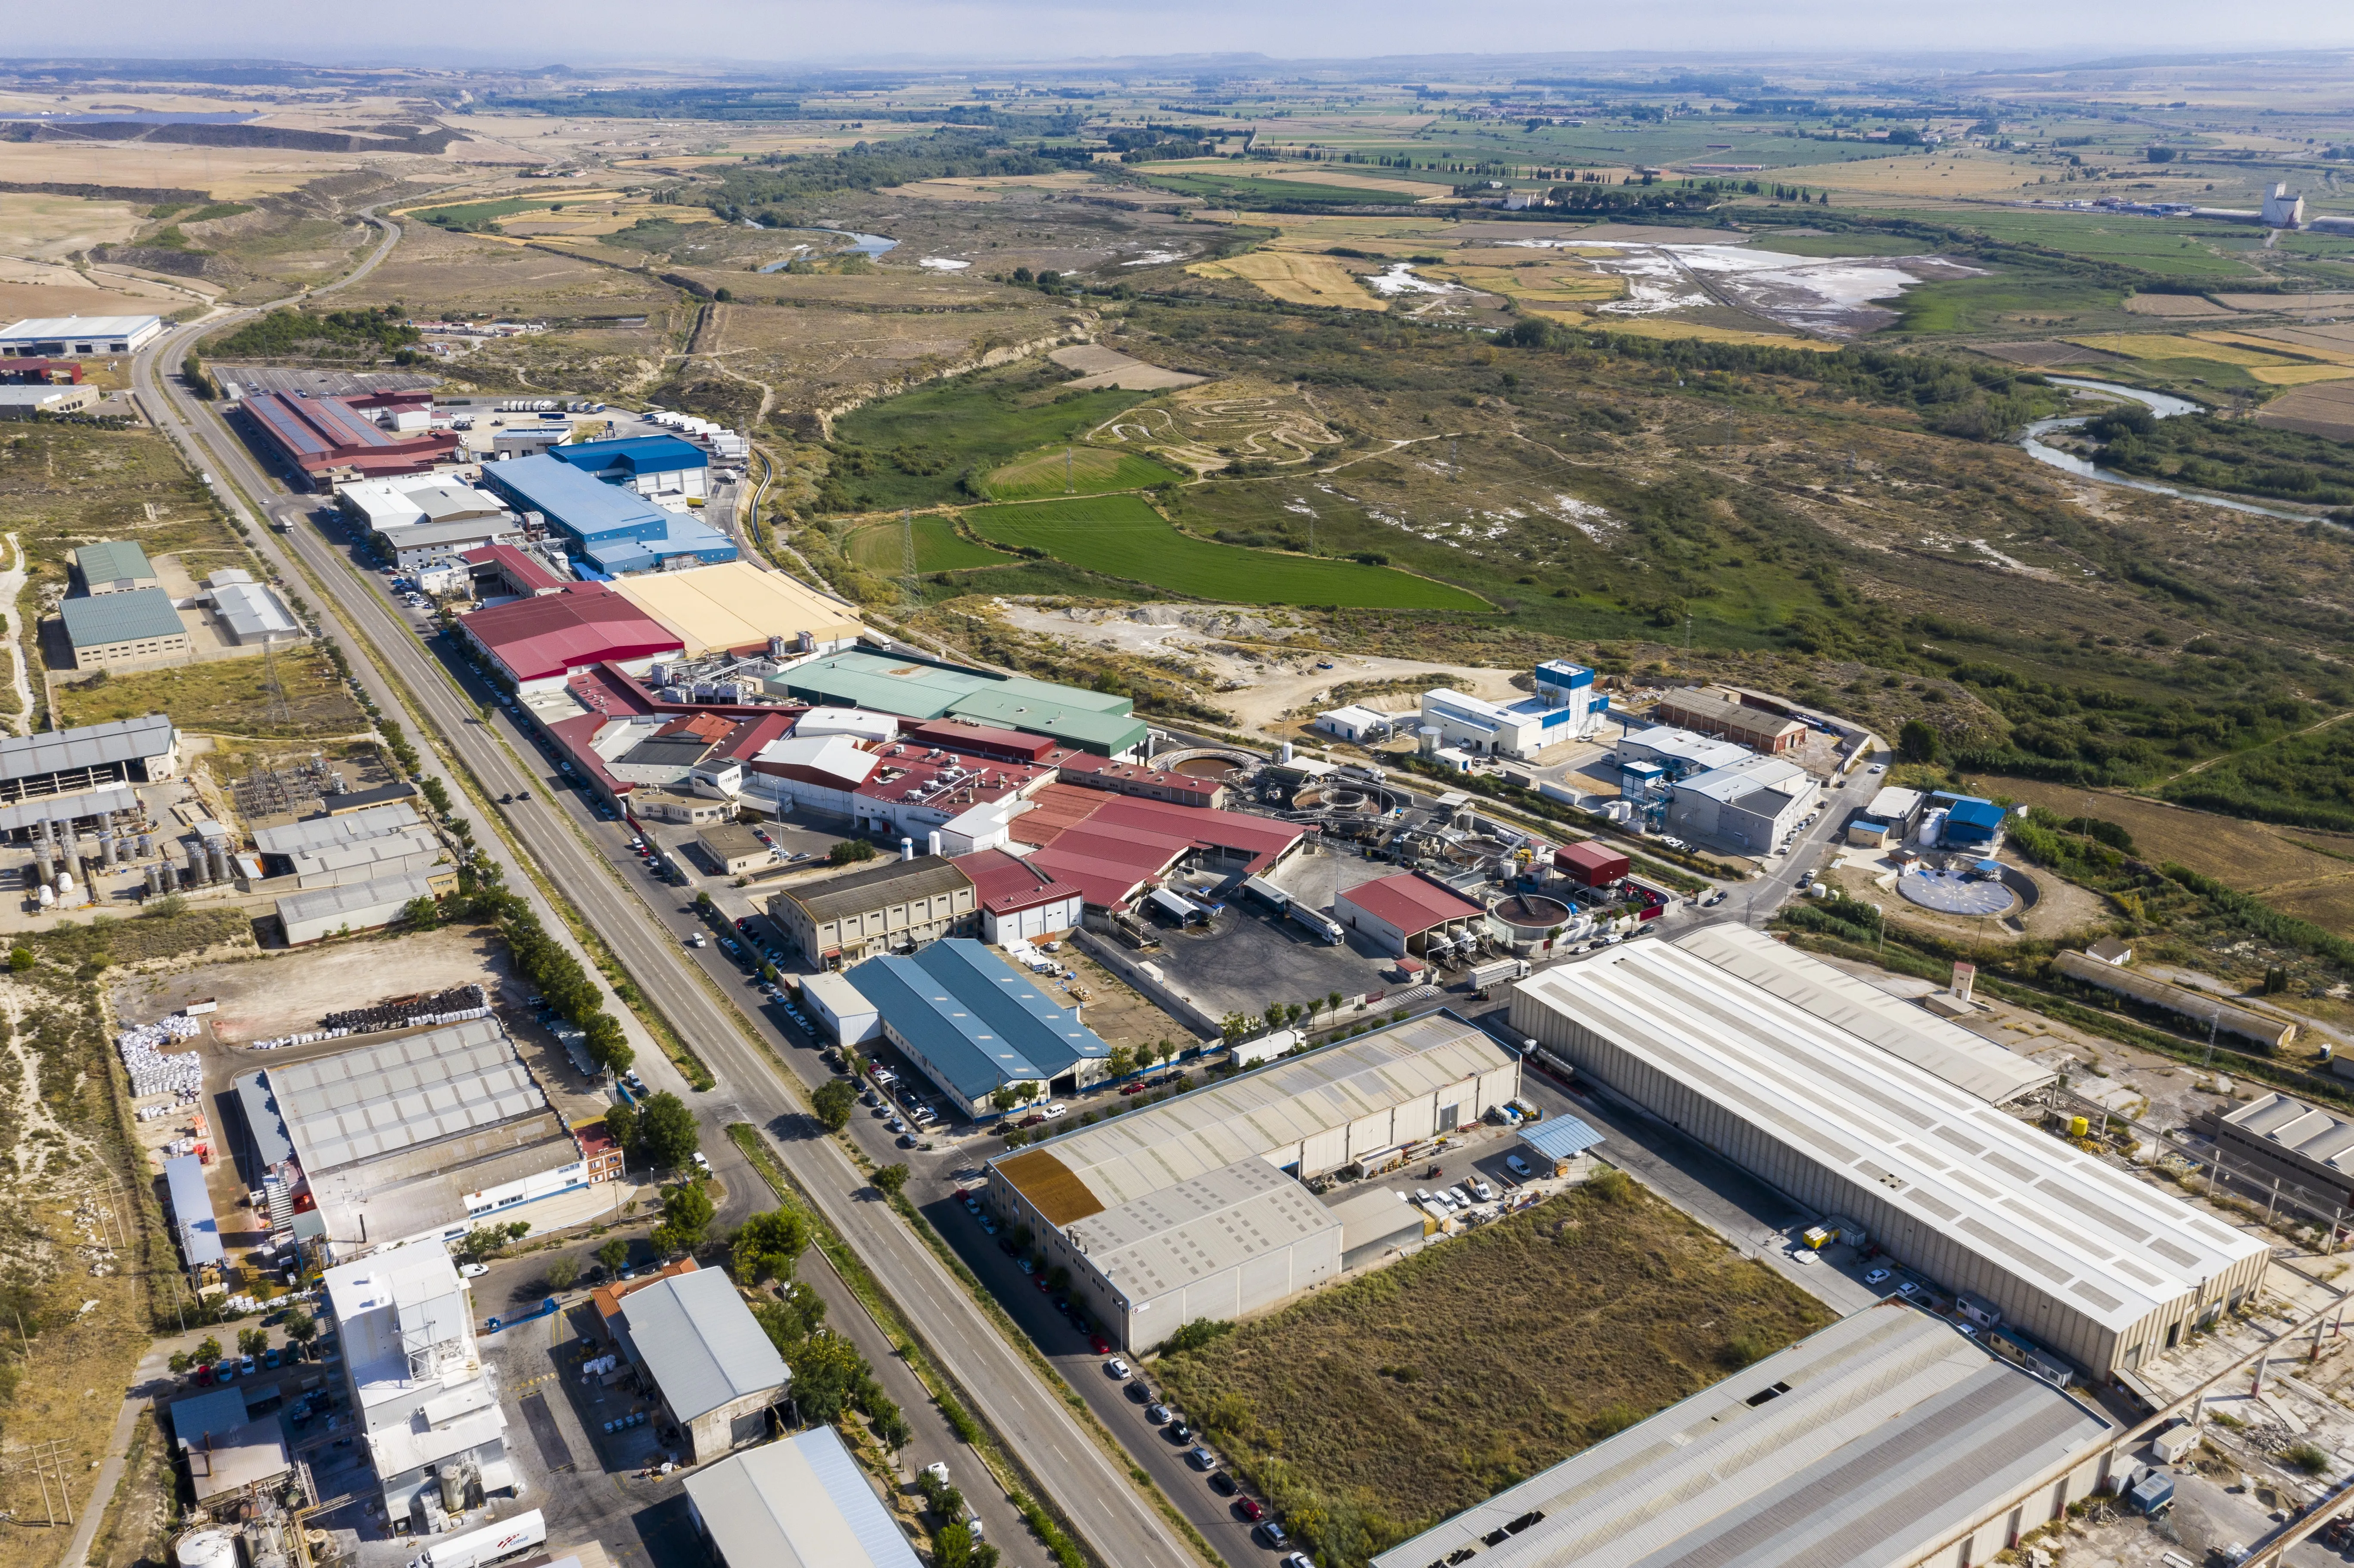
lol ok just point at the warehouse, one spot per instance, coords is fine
(142, 750)
(322, 439)
(2301, 1144)
(536, 644)
(920, 688)
(1193, 1208)
(250, 613)
(897, 906)
(64, 337)
(428, 521)
(123, 631)
(799, 1503)
(737, 607)
(413, 1139)
(1111, 847)
(25, 402)
(1409, 913)
(113, 566)
(973, 1026)
(613, 529)
(650, 465)
(313, 915)
(1721, 715)
(1749, 807)
(1354, 724)
(1563, 709)
(2106, 1271)
(1887, 1438)
(1677, 753)
(715, 1368)
(1019, 902)
(842, 1007)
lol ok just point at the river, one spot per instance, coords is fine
(867, 245)
(2160, 406)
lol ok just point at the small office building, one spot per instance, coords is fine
(730, 849)
(124, 630)
(896, 906)
(716, 1369)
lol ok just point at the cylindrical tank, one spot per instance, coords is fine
(146, 845)
(217, 858)
(170, 870)
(1428, 735)
(64, 882)
(206, 1549)
(106, 849)
(197, 877)
(47, 897)
(154, 879)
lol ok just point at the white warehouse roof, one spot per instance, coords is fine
(2110, 1249)
(798, 1502)
(379, 1099)
(701, 1343)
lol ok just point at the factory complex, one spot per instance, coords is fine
(1890, 1125)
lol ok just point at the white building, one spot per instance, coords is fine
(842, 1007)
(73, 338)
(251, 612)
(799, 1503)
(1565, 708)
(434, 1429)
(1682, 752)
(1748, 807)
(429, 521)
(1358, 724)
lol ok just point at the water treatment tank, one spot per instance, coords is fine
(206, 1549)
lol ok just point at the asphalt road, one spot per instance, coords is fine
(1090, 1490)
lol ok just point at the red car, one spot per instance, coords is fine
(1099, 1344)
(1250, 1508)
(1032, 1121)
(1042, 1284)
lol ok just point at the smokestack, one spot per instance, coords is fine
(906, 849)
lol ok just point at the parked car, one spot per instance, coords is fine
(1481, 1190)
(472, 1270)
(1250, 1508)
(1200, 1458)
(1052, 1109)
(1116, 1369)
(1226, 1486)
(1517, 1166)
(1877, 1276)
(1272, 1534)
(1157, 1413)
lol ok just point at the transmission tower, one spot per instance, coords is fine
(280, 710)
(909, 584)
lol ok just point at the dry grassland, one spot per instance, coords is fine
(2174, 305)
(2250, 856)
(74, 295)
(2157, 345)
(1543, 282)
(224, 696)
(1653, 326)
(1393, 237)
(2300, 374)
(1417, 1390)
(229, 174)
(2315, 410)
(49, 227)
(1202, 428)
(1294, 279)
(434, 271)
(1305, 174)
(1973, 174)
(813, 358)
(1100, 366)
(982, 188)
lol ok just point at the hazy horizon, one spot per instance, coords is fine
(745, 37)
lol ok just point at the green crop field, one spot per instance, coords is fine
(916, 449)
(1246, 192)
(478, 211)
(938, 548)
(2155, 245)
(1075, 470)
(1121, 537)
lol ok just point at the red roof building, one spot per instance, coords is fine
(1018, 900)
(508, 573)
(324, 436)
(980, 740)
(1091, 771)
(1113, 847)
(1590, 864)
(1397, 912)
(537, 643)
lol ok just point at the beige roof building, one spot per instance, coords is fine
(737, 604)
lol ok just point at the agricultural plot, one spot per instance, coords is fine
(2167, 248)
(882, 548)
(916, 449)
(1294, 279)
(1074, 470)
(437, 272)
(1121, 537)
(1245, 190)
(1375, 1408)
(2318, 410)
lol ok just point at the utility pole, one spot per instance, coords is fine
(909, 585)
(1070, 480)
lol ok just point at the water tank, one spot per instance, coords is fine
(154, 879)
(170, 870)
(219, 856)
(1428, 735)
(64, 882)
(47, 897)
(106, 849)
(146, 844)
(206, 1549)
(197, 877)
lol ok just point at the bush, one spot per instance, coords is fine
(1193, 1336)
(563, 1273)
(834, 1103)
(850, 852)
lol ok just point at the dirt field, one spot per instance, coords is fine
(811, 358)
(1406, 1395)
(283, 992)
(434, 271)
(1101, 366)
(2174, 305)
(1201, 427)
(2320, 410)
(1294, 279)
(229, 174)
(2250, 856)
(228, 696)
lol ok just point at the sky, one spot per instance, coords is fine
(740, 32)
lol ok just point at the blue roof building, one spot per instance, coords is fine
(1968, 820)
(615, 529)
(973, 1025)
(644, 463)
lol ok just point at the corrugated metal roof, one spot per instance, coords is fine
(90, 746)
(2115, 1249)
(97, 621)
(66, 808)
(1136, 1155)
(702, 1344)
(192, 1210)
(974, 1018)
(365, 1103)
(354, 898)
(1202, 1227)
(111, 561)
(894, 882)
(1407, 901)
(1876, 1437)
(1561, 1138)
(2299, 1128)
(1963, 1059)
(315, 832)
(92, 327)
(799, 1503)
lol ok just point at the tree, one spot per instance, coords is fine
(208, 1349)
(703, 902)
(686, 1214)
(301, 1326)
(1233, 1026)
(180, 1362)
(768, 1245)
(252, 1341)
(891, 1181)
(621, 1122)
(20, 960)
(850, 852)
(613, 1254)
(563, 1273)
(667, 1136)
(171, 906)
(484, 1242)
(833, 1103)
(1917, 741)
(421, 914)
(608, 1046)
(1119, 1062)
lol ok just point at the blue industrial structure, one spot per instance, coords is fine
(973, 1026)
(613, 529)
(637, 461)
(1970, 822)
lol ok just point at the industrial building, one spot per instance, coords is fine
(2269, 1030)
(1590, 864)
(1886, 1439)
(315, 914)
(899, 905)
(738, 607)
(1090, 771)
(428, 521)
(799, 1503)
(499, 572)
(1888, 820)
(227, 1448)
(842, 1007)
(973, 1026)
(1961, 823)
(1358, 725)
(1194, 1208)
(26, 401)
(716, 1369)
(1748, 808)
(607, 528)
(419, 1138)
(124, 630)
(1677, 753)
(113, 566)
(652, 466)
(731, 849)
(251, 614)
(1563, 709)
(920, 688)
(194, 1224)
(64, 337)
(536, 644)
(1411, 914)
(1018, 901)
(433, 1426)
(2286, 1138)
(327, 440)
(142, 750)
(1112, 847)
(1837, 1103)
(1728, 717)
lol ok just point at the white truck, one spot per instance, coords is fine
(488, 1544)
(1497, 971)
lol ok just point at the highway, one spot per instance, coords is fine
(1094, 1493)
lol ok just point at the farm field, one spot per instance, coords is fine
(1075, 470)
(1121, 537)
(882, 548)
(1379, 1406)
(1294, 279)
(913, 449)
(2318, 410)
(2175, 250)
(1244, 190)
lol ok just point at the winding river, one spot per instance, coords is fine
(2161, 407)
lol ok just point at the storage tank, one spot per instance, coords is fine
(154, 879)
(206, 1549)
(106, 850)
(197, 877)
(216, 856)
(1428, 735)
(47, 897)
(170, 870)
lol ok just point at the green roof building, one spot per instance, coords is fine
(136, 626)
(113, 566)
(920, 688)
